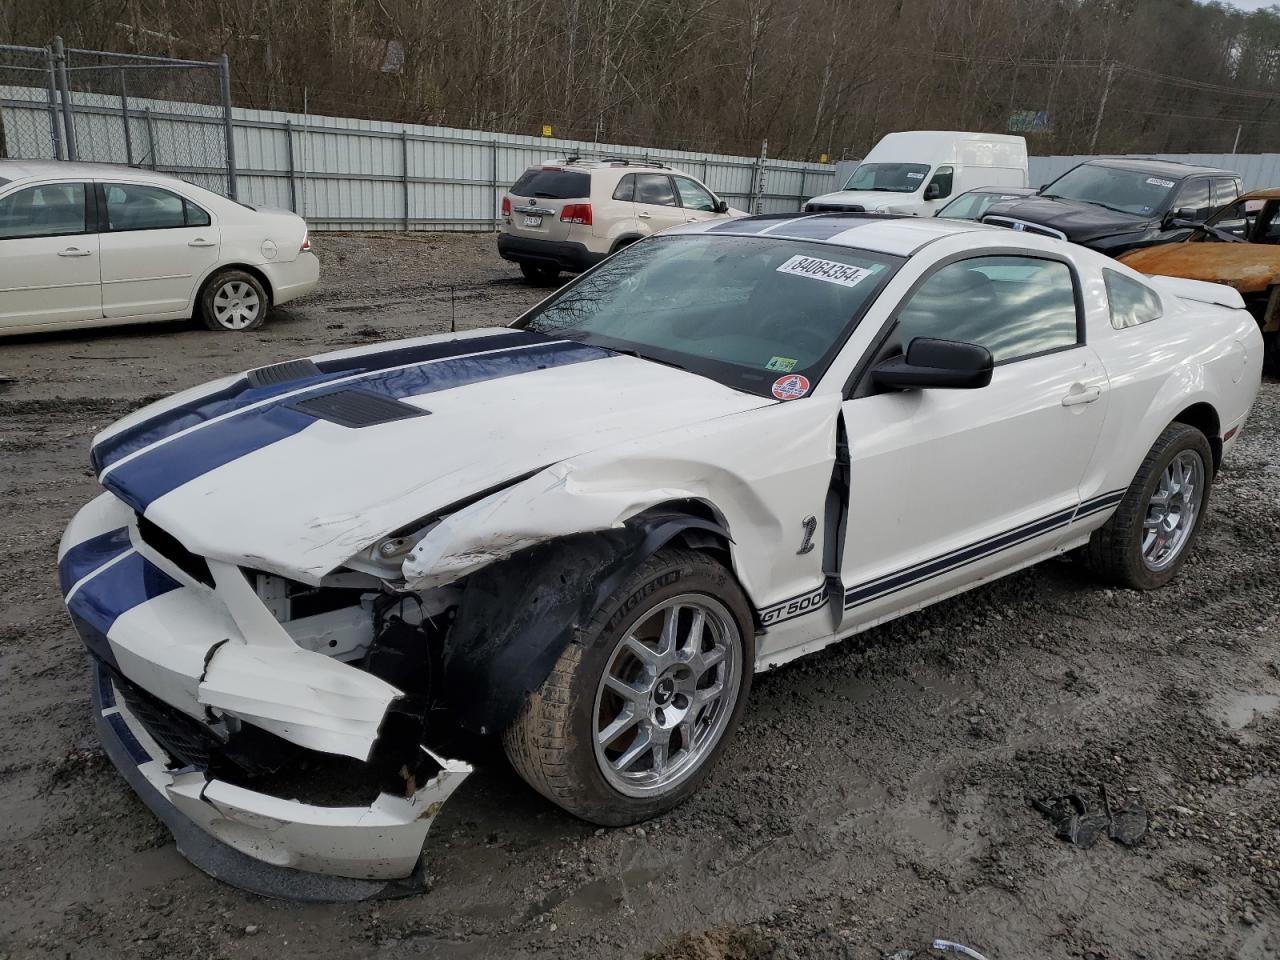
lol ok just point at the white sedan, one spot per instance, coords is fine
(723, 448)
(87, 244)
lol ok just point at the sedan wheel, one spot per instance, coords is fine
(233, 301)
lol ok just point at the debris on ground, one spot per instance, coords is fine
(960, 948)
(1081, 824)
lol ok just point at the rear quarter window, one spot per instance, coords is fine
(553, 184)
(1131, 302)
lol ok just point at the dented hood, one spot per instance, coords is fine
(295, 468)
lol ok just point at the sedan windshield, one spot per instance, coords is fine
(889, 177)
(1125, 191)
(744, 311)
(974, 204)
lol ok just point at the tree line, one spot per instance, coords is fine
(812, 77)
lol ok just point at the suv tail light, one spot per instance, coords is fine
(576, 213)
(506, 206)
(306, 243)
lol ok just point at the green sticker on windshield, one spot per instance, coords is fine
(783, 364)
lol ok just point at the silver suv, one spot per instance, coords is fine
(570, 214)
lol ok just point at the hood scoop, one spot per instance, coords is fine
(282, 373)
(357, 408)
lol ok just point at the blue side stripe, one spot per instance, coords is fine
(82, 559)
(242, 393)
(121, 587)
(154, 473)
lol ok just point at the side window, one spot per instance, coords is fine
(655, 188)
(626, 188)
(1014, 306)
(694, 197)
(49, 210)
(1194, 201)
(196, 217)
(1224, 191)
(941, 179)
(1131, 302)
(133, 206)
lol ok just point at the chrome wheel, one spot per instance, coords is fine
(667, 694)
(236, 305)
(1173, 510)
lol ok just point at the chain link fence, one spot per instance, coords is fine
(93, 105)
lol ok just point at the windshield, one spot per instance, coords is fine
(974, 205)
(1125, 191)
(889, 177)
(745, 311)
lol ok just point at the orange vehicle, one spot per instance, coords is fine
(1239, 246)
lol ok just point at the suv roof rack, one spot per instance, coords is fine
(615, 159)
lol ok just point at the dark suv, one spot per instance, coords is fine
(1117, 204)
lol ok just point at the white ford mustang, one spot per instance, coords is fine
(723, 448)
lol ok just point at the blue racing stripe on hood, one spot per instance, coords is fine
(158, 471)
(242, 393)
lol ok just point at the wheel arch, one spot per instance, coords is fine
(625, 241)
(1204, 417)
(517, 615)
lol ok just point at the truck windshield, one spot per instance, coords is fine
(889, 177)
(1125, 191)
(744, 311)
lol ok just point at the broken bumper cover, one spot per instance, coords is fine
(278, 848)
(147, 684)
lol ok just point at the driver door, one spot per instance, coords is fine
(948, 487)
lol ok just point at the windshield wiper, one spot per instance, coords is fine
(644, 356)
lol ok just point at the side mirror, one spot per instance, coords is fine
(932, 191)
(936, 363)
(722, 206)
(1183, 217)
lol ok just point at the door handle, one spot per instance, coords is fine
(75, 252)
(691, 220)
(201, 242)
(1083, 395)
(644, 216)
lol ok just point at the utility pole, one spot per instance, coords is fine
(1102, 107)
(68, 122)
(1236, 144)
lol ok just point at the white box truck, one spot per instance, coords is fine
(917, 171)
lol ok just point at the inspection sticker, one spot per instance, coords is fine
(828, 270)
(916, 176)
(1157, 182)
(781, 364)
(791, 388)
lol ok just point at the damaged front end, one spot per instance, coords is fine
(289, 735)
(295, 737)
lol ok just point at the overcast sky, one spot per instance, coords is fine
(1251, 4)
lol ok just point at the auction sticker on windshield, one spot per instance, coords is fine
(1157, 182)
(829, 270)
(791, 388)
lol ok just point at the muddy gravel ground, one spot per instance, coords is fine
(876, 796)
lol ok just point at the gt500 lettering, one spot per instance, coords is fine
(794, 607)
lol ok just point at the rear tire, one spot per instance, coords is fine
(602, 703)
(540, 275)
(1162, 510)
(233, 301)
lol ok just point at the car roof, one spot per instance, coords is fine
(1166, 168)
(41, 169)
(1272, 193)
(893, 234)
(1011, 191)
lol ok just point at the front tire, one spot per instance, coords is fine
(233, 301)
(540, 275)
(644, 698)
(1147, 539)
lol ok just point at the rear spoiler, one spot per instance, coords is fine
(1199, 290)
